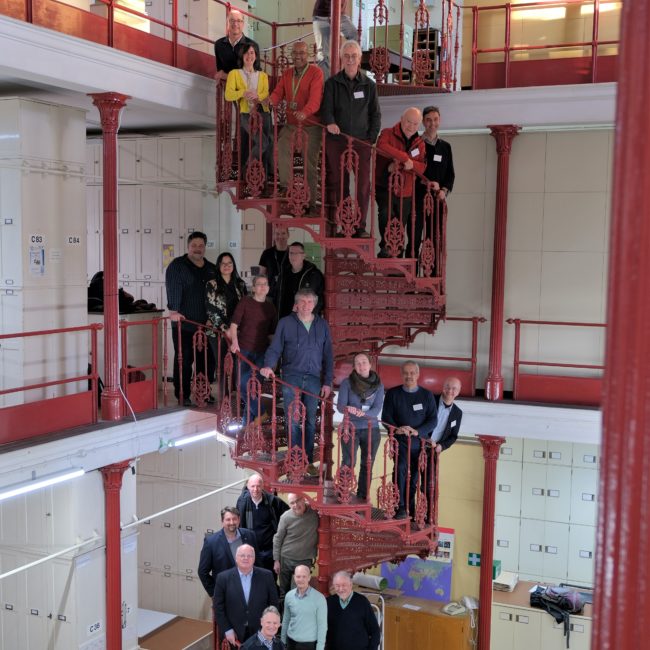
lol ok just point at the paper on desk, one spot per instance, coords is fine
(409, 606)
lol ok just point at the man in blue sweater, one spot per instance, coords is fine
(412, 410)
(304, 343)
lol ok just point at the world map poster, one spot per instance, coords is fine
(429, 578)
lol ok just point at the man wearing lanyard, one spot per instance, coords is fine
(302, 88)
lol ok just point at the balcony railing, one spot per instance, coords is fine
(582, 388)
(541, 42)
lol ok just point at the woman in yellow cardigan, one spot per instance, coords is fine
(248, 85)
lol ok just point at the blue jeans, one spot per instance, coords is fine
(350, 457)
(311, 384)
(245, 372)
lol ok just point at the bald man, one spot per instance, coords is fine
(226, 48)
(399, 148)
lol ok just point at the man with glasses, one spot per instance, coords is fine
(350, 107)
(299, 274)
(302, 88)
(227, 47)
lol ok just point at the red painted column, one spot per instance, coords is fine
(110, 106)
(622, 566)
(324, 554)
(491, 446)
(504, 134)
(335, 37)
(112, 475)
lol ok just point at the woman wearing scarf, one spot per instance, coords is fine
(221, 297)
(361, 396)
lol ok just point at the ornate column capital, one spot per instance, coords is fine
(504, 134)
(109, 106)
(112, 475)
(491, 446)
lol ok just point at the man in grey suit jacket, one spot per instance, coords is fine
(218, 552)
(241, 595)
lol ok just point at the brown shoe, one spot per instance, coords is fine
(361, 234)
(312, 470)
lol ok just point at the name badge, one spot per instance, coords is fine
(358, 94)
(437, 157)
(417, 407)
(453, 424)
(415, 152)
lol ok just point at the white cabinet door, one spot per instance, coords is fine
(558, 493)
(502, 627)
(556, 551)
(582, 545)
(128, 216)
(191, 159)
(533, 491)
(94, 228)
(192, 213)
(94, 161)
(508, 495)
(535, 451)
(170, 160)
(512, 449)
(531, 547)
(584, 486)
(506, 542)
(552, 634)
(146, 159)
(559, 453)
(586, 456)
(149, 239)
(126, 156)
(527, 629)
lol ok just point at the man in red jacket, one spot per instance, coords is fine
(302, 88)
(399, 149)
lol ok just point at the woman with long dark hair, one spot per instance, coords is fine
(248, 85)
(221, 297)
(361, 396)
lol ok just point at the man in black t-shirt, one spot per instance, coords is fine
(276, 258)
(185, 281)
(226, 48)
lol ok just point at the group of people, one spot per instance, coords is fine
(237, 567)
(300, 345)
(345, 104)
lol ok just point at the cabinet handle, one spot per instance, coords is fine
(577, 627)
(589, 459)
(522, 619)
(586, 496)
(504, 616)
(504, 487)
(538, 453)
(553, 493)
(535, 548)
(538, 492)
(552, 550)
(555, 455)
(585, 555)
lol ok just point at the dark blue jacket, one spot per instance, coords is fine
(302, 352)
(217, 557)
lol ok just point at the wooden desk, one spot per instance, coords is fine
(426, 627)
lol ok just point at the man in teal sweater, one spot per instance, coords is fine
(304, 624)
(351, 623)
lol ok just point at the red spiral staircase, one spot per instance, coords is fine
(370, 302)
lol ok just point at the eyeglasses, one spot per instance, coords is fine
(234, 21)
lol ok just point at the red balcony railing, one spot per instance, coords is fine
(556, 388)
(52, 407)
(509, 47)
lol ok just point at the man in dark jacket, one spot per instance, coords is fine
(298, 274)
(185, 281)
(218, 552)
(351, 623)
(226, 49)
(266, 638)
(260, 511)
(241, 595)
(350, 107)
(399, 149)
(303, 341)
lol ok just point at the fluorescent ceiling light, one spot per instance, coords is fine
(38, 483)
(189, 439)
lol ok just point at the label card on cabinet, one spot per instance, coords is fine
(535, 548)
(553, 493)
(586, 496)
(503, 487)
(538, 453)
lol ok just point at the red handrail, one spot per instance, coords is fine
(507, 48)
(518, 362)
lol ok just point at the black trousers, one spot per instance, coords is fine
(300, 645)
(188, 361)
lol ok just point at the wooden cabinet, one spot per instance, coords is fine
(425, 627)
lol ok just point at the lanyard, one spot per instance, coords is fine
(294, 85)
